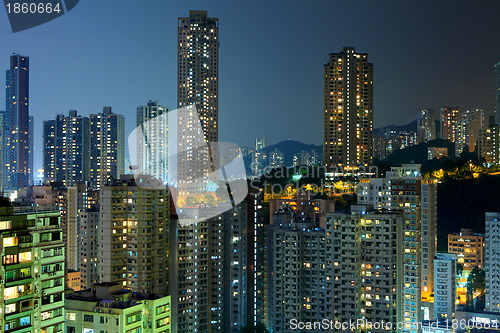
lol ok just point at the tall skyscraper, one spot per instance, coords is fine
(49, 150)
(198, 71)
(405, 190)
(449, 118)
(3, 148)
(491, 265)
(18, 160)
(67, 149)
(497, 93)
(152, 154)
(198, 85)
(107, 147)
(259, 157)
(348, 110)
(427, 126)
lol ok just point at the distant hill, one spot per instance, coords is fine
(408, 127)
(289, 148)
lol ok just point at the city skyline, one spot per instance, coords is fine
(284, 91)
(178, 238)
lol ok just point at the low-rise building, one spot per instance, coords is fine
(106, 307)
(468, 247)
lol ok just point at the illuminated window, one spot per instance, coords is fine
(11, 241)
(10, 308)
(70, 316)
(24, 256)
(10, 293)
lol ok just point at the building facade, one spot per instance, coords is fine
(88, 247)
(364, 267)
(197, 85)
(106, 307)
(133, 236)
(427, 126)
(449, 118)
(468, 248)
(152, 147)
(18, 160)
(445, 286)
(296, 271)
(491, 266)
(406, 191)
(107, 147)
(67, 149)
(348, 110)
(32, 270)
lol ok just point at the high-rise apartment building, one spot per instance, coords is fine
(489, 144)
(427, 126)
(32, 269)
(259, 157)
(197, 85)
(468, 248)
(49, 151)
(348, 110)
(295, 270)
(18, 151)
(197, 265)
(416, 197)
(276, 159)
(497, 93)
(445, 286)
(461, 134)
(198, 71)
(477, 120)
(152, 151)
(3, 136)
(236, 265)
(491, 264)
(364, 267)
(449, 118)
(67, 149)
(133, 236)
(88, 247)
(405, 190)
(107, 147)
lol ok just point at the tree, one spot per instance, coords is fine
(460, 269)
(476, 284)
(260, 328)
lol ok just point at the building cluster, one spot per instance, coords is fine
(97, 249)
(265, 160)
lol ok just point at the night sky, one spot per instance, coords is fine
(123, 52)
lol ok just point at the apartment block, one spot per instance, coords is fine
(32, 269)
(133, 235)
(445, 284)
(468, 248)
(491, 261)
